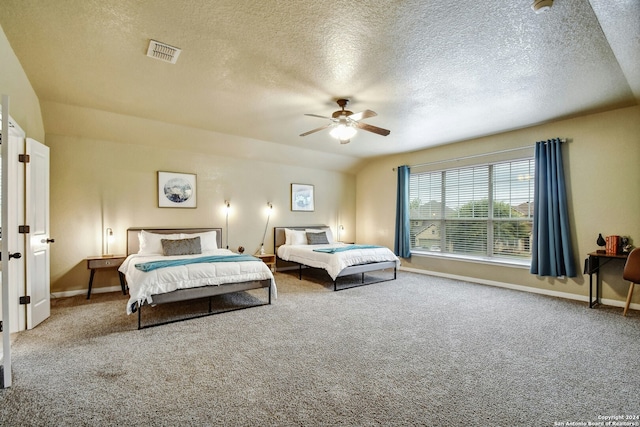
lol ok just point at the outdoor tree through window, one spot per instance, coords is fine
(483, 211)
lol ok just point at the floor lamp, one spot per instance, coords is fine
(264, 235)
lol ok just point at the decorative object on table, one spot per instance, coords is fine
(612, 244)
(176, 190)
(626, 244)
(601, 242)
(302, 197)
(240, 249)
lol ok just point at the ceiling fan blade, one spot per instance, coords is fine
(363, 115)
(316, 130)
(370, 128)
(319, 116)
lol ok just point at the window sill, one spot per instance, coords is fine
(505, 262)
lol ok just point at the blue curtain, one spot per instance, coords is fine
(402, 246)
(552, 254)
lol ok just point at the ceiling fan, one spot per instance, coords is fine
(345, 123)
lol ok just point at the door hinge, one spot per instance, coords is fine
(24, 158)
(24, 229)
(0, 325)
(25, 300)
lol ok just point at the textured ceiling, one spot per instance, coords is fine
(435, 72)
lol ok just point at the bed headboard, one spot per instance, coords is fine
(279, 237)
(133, 243)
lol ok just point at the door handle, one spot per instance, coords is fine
(16, 255)
(48, 241)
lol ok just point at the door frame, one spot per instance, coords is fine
(10, 312)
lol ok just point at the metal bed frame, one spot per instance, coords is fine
(279, 239)
(133, 246)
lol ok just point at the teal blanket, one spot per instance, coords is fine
(153, 265)
(346, 248)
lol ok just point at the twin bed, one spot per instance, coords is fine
(314, 247)
(170, 265)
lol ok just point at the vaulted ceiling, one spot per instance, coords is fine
(436, 72)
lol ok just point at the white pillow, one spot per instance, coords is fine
(208, 240)
(322, 230)
(150, 243)
(295, 237)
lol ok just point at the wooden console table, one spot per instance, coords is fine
(593, 263)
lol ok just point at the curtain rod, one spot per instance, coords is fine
(473, 156)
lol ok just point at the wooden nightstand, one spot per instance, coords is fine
(106, 261)
(269, 259)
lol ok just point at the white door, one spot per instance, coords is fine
(14, 188)
(38, 247)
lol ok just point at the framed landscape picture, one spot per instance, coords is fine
(176, 190)
(302, 197)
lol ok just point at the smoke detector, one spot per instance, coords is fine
(540, 6)
(163, 52)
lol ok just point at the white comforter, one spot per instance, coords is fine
(142, 285)
(334, 263)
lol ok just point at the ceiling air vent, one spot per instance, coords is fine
(163, 52)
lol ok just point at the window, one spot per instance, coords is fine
(483, 211)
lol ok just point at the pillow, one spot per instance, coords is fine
(317, 238)
(208, 241)
(150, 242)
(326, 230)
(181, 246)
(295, 237)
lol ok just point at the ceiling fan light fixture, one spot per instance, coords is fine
(344, 124)
(343, 132)
(540, 6)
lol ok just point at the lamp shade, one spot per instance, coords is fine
(108, 240)
(343, 132)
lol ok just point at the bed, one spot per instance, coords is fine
(314, 247)
(166, 265)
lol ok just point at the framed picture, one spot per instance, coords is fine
(176, 190)
(302, 197)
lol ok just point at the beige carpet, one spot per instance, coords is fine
(416, 351)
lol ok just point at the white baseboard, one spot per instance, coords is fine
(105, 290)
(566, 295)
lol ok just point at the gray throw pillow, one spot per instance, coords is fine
(181, 246)
(317, 238)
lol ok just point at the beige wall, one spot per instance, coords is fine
(98, 183)
(601, 167)
(24, 106)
